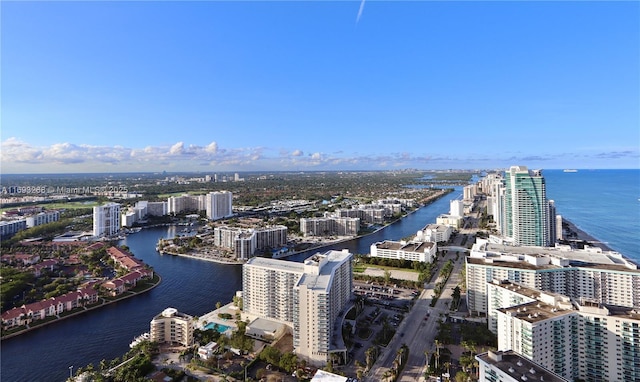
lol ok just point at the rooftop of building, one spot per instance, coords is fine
(517, 288)
(558, 257)
(325, 376)
(327, 264)
(535, 311)
(275, 264)
(518, 367)
(404, 246)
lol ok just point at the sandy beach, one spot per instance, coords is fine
(581, 235)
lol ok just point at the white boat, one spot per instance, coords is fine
(139, 339)
(570, 170)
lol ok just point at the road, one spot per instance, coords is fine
(416, 332)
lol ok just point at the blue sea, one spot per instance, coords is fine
(603, 203)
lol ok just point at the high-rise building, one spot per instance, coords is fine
(526, 207)
(307, 296)
(582, 274)
(329, 226)
(456, 208)
(106, 219)
(577, 340)
(219, 205)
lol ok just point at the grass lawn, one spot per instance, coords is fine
(360, 268)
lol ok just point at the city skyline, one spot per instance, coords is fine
(306, 86)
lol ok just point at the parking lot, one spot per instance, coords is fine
(384, 304)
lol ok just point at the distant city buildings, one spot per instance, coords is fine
(308, 297)
(106, 219)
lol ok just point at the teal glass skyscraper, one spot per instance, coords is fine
(526, 207)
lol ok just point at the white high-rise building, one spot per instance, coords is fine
(219, 205)
(587, 341)
(306, 296)
(456, 208)
(589, 274)
(106, 219)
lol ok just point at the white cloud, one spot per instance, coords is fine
(177, 149)
(19, 156)
(212, 148)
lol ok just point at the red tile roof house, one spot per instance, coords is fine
(24, 258)
(124, 259)
(94, 247)
(68, 301)
(14, 317)
(114, 287)
(41, 309)
(89, 295)
(49, 264)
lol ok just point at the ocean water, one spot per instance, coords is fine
(603, 203)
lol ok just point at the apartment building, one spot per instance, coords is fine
(581, 274)
(367, 214)
(157, 208)
(43, 217)
(420, 251)
(172, 327)
(504, 294)
(11, 227)
(185, 203)
(308, 297)
(585, 340)
(106, 219)
(246, 242)
(436, 233)
(508, 366)
(330, 226)
(219, 205)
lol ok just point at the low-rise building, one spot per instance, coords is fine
(508, 366)
(172, 327)
(423, 252)
(207, 351)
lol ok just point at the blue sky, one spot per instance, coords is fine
(293, 85)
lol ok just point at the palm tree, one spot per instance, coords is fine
(426, 359)
(437, 354)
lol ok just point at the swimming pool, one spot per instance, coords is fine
(213, 325)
